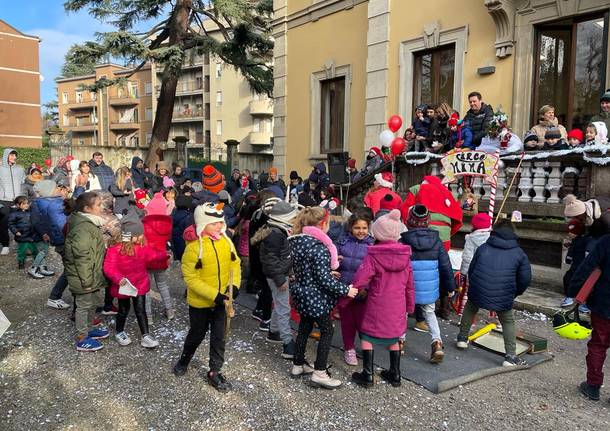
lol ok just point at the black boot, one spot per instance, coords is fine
(181, 366)
(392, 376)
(218, 381)
(365, 378)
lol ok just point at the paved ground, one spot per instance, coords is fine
(46, 385)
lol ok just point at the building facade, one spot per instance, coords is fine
(20, 120)
(343, 67)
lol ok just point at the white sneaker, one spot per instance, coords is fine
(33, 272)
(123, 339)
(149, 342)
(4, 251)
(170, 314)
(57, 303)
(45, 271)
(323, 379)
(301, 370)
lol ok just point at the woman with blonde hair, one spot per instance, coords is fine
(122, 190)
(546, 121)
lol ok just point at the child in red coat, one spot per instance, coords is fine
(127, 262)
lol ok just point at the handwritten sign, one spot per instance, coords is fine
(468, 163)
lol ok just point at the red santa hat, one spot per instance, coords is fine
(385, 179)
(390, 202)
(375, 150)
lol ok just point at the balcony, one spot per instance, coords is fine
(124, 100)
(118, 125)
(261, 107)
(82, 105)
(82, 126)
(260, 138)
(187, 115)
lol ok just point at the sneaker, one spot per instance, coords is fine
(170, 314)
(218, 381)
(57, 303)
(88, 344)
(257, 315)
(4, 251)
(149, 342)
(462, 343)
(288, 352)
(567, 302)
(323, 379)
(33, 272)
(582, 308)
(513, 361)
(264, 325)
(123, 339)
(301, 370)
(274, 337)
(437, 355)
(349, 356)
(112, 312)
(589, 391)
(99, 333)
(421, 327)
(44, 270)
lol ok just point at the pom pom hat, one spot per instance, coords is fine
(387, 227)
(212, 179)
(574, 207)
(419, 216)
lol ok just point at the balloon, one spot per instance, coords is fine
(385, 138)
(398, 146)
(395, 123)
(48, 162)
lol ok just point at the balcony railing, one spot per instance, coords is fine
(188, 115)
(73, 105)
(260, 138)
(261, 107)
(124, 99)
(122, 125)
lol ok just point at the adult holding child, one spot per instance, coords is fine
(546, 122)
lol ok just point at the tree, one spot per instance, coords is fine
(74, 65)
(50, 116)
(245, 44)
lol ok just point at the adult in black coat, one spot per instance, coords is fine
(137, 172)
(102, 171)
(478, 116)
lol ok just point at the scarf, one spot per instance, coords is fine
(318, 234)
(281, 225)
(95, 219)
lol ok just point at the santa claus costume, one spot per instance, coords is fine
(383, 186)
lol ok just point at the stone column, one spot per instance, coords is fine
(232, 157)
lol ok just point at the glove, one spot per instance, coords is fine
(361, 297)
(235, 292)
(220, 299)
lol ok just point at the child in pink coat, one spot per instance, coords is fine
(385, 279)
(128, 261)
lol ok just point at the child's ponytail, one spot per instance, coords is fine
(309, 216)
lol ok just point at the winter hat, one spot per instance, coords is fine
(576, 227)
(594, 211)
(183, 201)
(574, 207)
(45, 188)
(481, 221)
(131, 225)
(212, 179)
(390, 202)
(294, 175)
(351, 163)
(387, 227)
(224, 196)
(552, 133)
(273, 171)
(385, 179)
(576, 133)
(206, 214)
(268, 204)
(34, 169)
(282, 212)
(162, 165)
(375, 150)
(197, 186)
(62, 163)
(605, 97)
(313, 177)
(157, 205)
(418, 217)
(601, 136)
(168, 183)
(529, 137)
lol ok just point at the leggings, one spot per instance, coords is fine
(4, 212)
(138, 308)
(326, 335)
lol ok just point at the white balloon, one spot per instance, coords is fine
(386, 137)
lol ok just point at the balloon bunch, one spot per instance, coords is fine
(388, 139)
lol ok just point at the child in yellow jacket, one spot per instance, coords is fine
(209, 265)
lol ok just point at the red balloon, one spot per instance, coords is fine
(48, 162)
(395, 123)
(398, 146)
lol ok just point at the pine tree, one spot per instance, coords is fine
(76, 66)
(246, 44)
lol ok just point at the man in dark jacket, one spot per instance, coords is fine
(101, 170)
(137, 172)
(499, 272)
(233, 184)
(276, 266)
(478, 116)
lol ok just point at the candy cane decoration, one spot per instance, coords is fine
(494, 184)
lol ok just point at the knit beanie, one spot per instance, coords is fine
(529, 137)
(224, 196)
(390, 202)
(269, 203)
(183, 201)
(212, 179)
(387, 227)
(283, 212)
(45, 188)
(131, 225)
(206, 214)
(385, 179)
(294, 175)
(577, 134)
(605, 97)
(418, 217)
(162, 165)
(552, 133)
(157, 205)
(481, 221)
(351, 163)
(273, 171)
(574, 207)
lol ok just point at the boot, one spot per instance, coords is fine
(323, 379)
(442, 310)
(437, 354)
(182, 364)
(392, 376)
(365, 378)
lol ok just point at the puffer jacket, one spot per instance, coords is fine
(219, 260)
(84, 256)
(20, 221)
(499, 272)
(387, 276)
(104, 174)
(181, 219)
(137, 175)
(315, 291)
(432, 271)
(48, 217)
(11, 178)
(479, 122)
(352, 252)
(274, 252)
(134, 268)
(472, 242)
(158, 231)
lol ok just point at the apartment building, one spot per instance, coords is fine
(20, 120)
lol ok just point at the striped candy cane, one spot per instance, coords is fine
(494, 185)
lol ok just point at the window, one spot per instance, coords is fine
(218, 98)
(79, 97)
(148, 88)
(92, 95)
(134, 141)
(570, 59)
(219, 127)
(64, 97)
(133, 89)
(122, 141)
(218, 70)
(434, 76)
(66, 120)
(149, 114)
(332, 114)
(256, 126)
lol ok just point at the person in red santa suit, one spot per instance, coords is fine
(383, 185)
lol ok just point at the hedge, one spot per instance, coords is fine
(27, 156)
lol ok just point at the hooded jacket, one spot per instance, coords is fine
(274, 251)
(323, 178)
(432, 271)
(137, 175)
(104, 174)
(20, 221)
(48, 217)
(499, 272)
(472, 241)
(11, 178)
(387, 275)
(28, 187)
(479, 121)
(158, 231)
(541, 128)
(181, 219)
